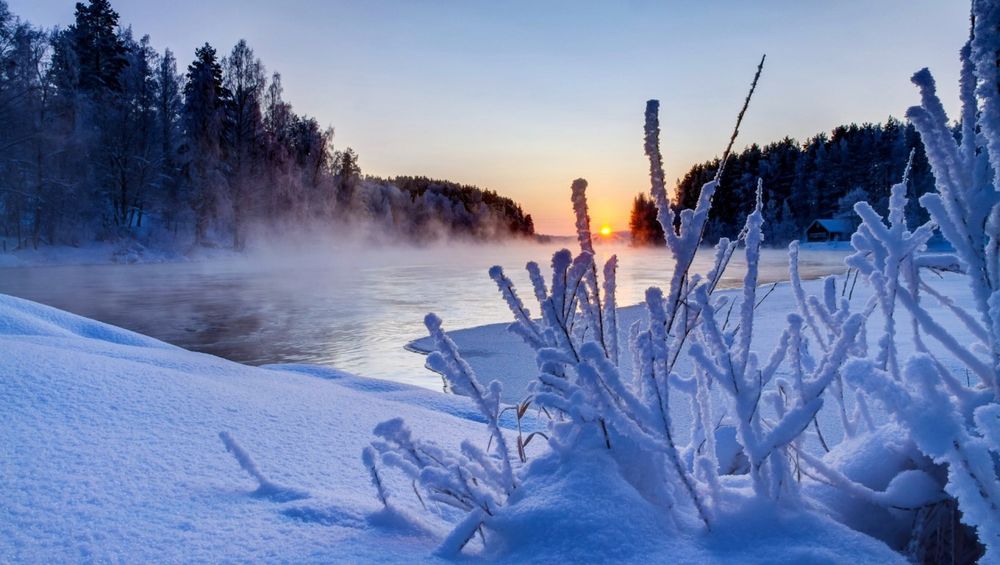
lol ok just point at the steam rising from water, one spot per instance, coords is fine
(345, 304)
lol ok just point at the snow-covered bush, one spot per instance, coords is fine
(726, 359)
(470, 480)
(955, 423)
(754, 436)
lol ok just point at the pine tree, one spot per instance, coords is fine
(126, 146)
(645, 228)
(99, 51)
(207, 125)
(348, 175)
(88, 61)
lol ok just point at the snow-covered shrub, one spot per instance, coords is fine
(593, 405)
(955, 423)
(726, 360)
(750, 413)
(470, 480)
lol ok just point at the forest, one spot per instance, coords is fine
(821, 178)
(104, 138)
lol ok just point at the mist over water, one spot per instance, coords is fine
(350, 307)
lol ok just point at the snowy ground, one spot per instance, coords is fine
(100, 253)
(111, 452)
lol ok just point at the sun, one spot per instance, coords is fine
(605, 230)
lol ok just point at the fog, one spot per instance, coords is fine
(340, 303)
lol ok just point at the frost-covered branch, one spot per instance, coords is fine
(447, 361)
(732, 364)
(265, 487)
(739, 120)
(947, 420)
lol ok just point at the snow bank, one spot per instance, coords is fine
(100, 253)
(111, 452)
(584, 512)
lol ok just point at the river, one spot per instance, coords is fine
(353, 308)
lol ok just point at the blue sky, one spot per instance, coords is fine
(523, 97)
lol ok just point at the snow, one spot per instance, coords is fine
(629, 529)
(112, 452)
(98, 253)
(598, 406)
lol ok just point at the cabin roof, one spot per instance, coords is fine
(834, 225)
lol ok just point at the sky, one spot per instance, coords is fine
(522, 97)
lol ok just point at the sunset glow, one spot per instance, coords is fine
(605, 230)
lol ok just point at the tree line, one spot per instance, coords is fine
(104, 138)
(821, 178)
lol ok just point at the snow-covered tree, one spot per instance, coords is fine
(168, 109)
(845, 205)
(103, 139)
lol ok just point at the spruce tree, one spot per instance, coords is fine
(206, 121)
(645, 228)
(348, 173)
(99, 51)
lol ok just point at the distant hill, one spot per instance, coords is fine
(422, 208)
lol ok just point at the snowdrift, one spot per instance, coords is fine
(111, 452)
